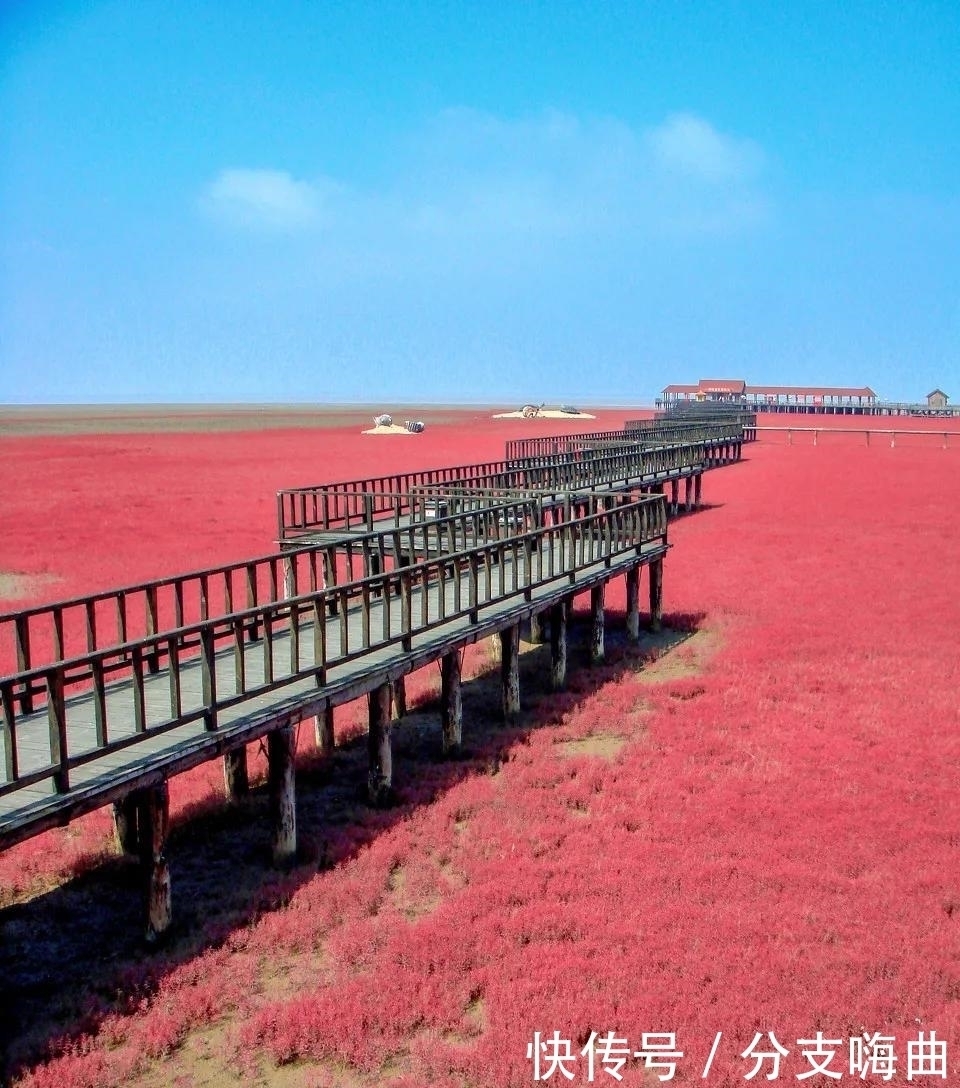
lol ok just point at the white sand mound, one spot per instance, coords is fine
(394, 428)
(545, 413)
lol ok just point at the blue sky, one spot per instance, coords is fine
(475, 202)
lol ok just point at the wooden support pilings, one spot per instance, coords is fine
(398, 693)
(558, 646)
(281, 760)
(323, 731)
(236, 779)
(380, 754)
(633, 604)
(154, 821)
(688, 494)
(656, 593)
(596, 624)
(698, 489)
(451, 703)
(674, 497)
(510, 672)
(536, 628)
(125, 824)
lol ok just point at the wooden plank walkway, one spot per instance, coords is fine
(188, 694)
(365, 504)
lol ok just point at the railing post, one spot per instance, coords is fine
(153, 658)
(22, 634)
(173, 667)
(474, 591)
(11, 762)
(320, 637)
(57, 725)
(406, 609)
(252, 594)
(90, 611)
(121, 610)
(139, 702)
(208, 677)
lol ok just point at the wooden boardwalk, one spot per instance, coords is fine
(111, 695)
(307, 513)
(184, 695)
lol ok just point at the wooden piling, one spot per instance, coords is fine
(236, 780)
(688, 494)
(510, 672)
(674, 497)
(154, 820)
(398, 691)
(698, 490)
(596, 624)
(125, 824)
(380, 755)
(323, 731)
(451, 703)
(281, 760)
(656, 593)
(558, 646)
(633, 604)
(536, 628)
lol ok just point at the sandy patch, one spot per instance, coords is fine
(678, 656)
(544, 413)
(20, 587)
(601, 745)
(394, 428)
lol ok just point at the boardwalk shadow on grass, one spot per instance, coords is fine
(71, 956)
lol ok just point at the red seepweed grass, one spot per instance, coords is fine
(756, 832)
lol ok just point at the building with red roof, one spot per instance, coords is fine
(736, 391)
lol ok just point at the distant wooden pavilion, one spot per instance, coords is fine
(737, 391)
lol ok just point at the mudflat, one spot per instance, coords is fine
(54, 419)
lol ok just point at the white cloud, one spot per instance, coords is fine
(269, 199)
(690, 145)
(473, 187)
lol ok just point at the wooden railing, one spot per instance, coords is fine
(303, 636)
(885, 432)
(345, 506)
(347, 502)
(35, 637)
(644, 432)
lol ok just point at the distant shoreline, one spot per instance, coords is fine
(72, 419)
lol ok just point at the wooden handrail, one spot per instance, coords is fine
(307, 510)
(104, 619)
(522, 562)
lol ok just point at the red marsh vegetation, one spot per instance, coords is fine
(749, 826)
